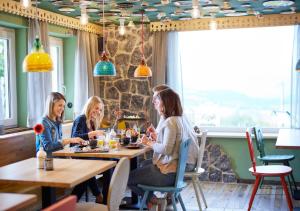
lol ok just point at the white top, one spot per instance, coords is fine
(176, 128)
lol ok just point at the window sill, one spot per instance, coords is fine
(237, 135)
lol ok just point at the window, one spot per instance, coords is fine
(56, 51)
(8, 100)
(237, 78)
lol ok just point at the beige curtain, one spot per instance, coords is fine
(159, 65)
(86, 58)
(38, 84)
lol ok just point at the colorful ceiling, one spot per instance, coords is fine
(165, 10)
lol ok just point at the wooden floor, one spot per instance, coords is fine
(235, 197)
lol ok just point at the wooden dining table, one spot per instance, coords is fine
(16, 201)
(288, 139)
(67, 173)
(131, 154)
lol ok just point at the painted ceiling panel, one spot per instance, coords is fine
(165, 10)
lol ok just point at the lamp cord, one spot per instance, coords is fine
(103, 26)
(36, 20)
(142, 34)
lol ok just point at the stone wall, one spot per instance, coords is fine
(217, 165)
(124, 92)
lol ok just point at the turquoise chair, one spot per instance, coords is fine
(266, 159)
(179, 183)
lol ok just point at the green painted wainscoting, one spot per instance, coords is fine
(237, 150)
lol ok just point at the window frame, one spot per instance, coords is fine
(58, 42)
(9, 34)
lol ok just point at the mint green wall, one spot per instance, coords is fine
(69, 65)
(237, 150)
(21, 46)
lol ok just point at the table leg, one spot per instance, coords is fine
(48, 196)
(133, 165)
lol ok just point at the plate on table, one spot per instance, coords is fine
(89, 150)
(134, 146)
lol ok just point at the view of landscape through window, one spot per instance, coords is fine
(237, 78)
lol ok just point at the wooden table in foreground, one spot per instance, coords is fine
(132, 154)
(15, 201)
(66, 174)
(288, 139)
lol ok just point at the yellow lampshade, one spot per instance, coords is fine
(37, 60)
(142, 70)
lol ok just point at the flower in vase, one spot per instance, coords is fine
(38, 129)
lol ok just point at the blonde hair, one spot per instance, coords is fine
(52, 98)
(90, 104)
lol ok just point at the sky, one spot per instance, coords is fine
(253, 61)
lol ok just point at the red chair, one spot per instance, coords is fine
(267, 171)
(66, 204)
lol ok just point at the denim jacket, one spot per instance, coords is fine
(51, 136)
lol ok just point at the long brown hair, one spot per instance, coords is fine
(171, 105)
(52, 98)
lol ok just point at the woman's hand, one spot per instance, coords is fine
(150, 129)
(146, 141)
(76, 140)
(153, 136)
(94, 133)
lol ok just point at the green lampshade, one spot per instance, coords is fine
(104, 67)
(298, 66)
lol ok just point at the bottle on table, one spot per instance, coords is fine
(41, 157)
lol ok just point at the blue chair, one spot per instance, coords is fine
(179, 183)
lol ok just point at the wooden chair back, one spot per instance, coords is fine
(183, 153)
(201, 149)
(118, 184)
(66, 204)
(250, 147)
(259, 141)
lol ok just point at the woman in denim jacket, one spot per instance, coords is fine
(51, 138)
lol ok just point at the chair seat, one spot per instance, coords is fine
(163, 189)
(276, 158)
(194, 173)
(272, 170)
(90, 206)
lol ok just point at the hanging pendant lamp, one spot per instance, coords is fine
(142, 70)
(38, 60)
(104, 67)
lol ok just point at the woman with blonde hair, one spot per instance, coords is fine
(86, 126)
